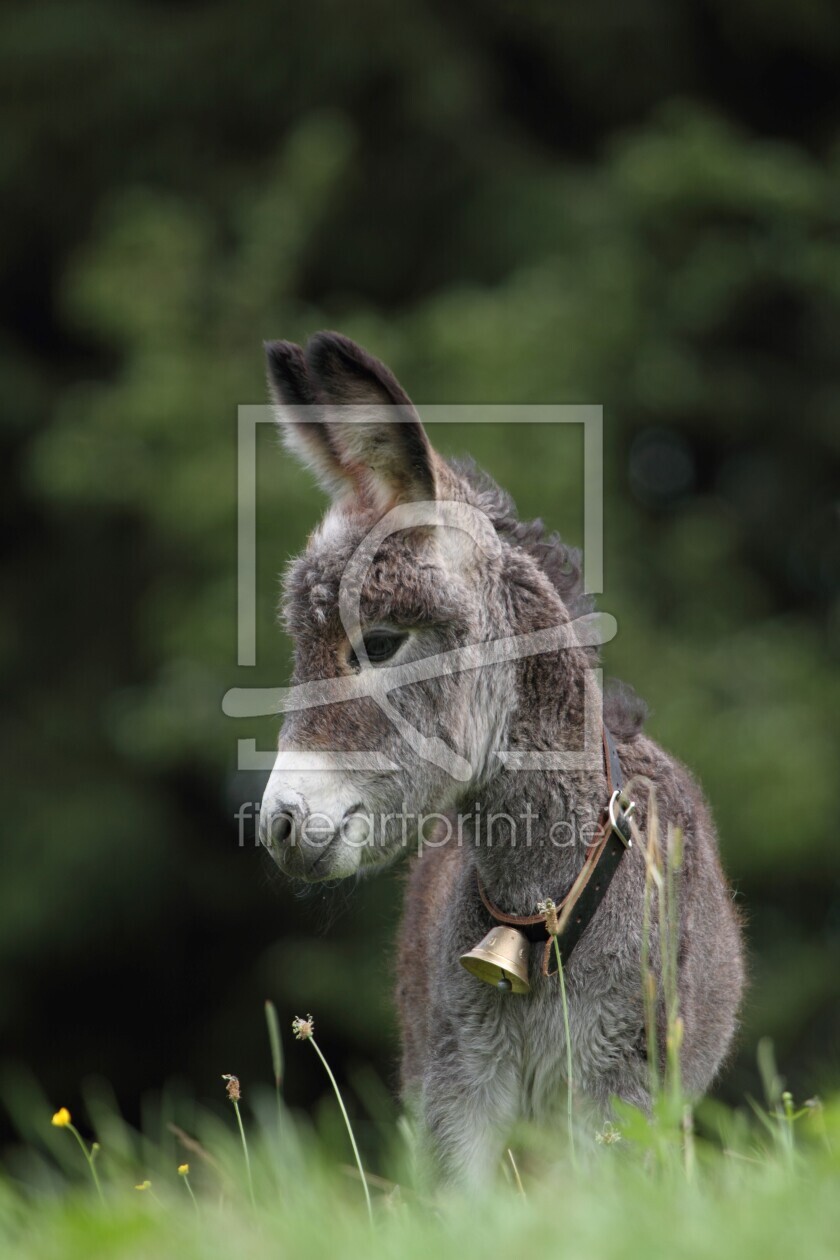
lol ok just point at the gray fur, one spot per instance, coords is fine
(474, 1060)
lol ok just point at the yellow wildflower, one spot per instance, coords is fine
(183, 1170)
(144, 1185)
(61, 1119)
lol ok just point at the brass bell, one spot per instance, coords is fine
(501, 958)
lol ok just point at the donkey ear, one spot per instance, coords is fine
(382, 443)
(300, 415)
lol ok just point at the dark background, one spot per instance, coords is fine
(636, 205)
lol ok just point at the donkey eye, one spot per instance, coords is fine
(381, 645)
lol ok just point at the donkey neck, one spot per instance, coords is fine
(529, 829)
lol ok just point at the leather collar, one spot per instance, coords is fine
(576, 909)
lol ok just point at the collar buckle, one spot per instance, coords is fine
(621, 810)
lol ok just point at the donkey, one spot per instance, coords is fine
(475, 1059)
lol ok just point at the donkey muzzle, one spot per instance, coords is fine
(282, 832)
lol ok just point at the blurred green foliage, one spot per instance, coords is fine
(548, 204)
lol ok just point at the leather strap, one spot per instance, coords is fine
(578, 907)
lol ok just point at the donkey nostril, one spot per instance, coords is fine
(282, 826)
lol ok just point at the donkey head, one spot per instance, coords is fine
(415, 561)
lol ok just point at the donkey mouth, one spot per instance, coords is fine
(316, 870)
(340, 853)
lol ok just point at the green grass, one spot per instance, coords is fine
(762, 1181)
